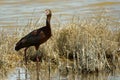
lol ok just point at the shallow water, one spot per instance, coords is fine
(18, 12)
(21, 73)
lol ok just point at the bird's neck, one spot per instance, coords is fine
(48, 20)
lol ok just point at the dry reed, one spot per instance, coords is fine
(86, 46)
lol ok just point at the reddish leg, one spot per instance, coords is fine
(37, 47)
(25, 56)
(37, 64)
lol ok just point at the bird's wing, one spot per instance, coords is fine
(33, 38)
(31, 34)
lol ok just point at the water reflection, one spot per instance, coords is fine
(20, 73)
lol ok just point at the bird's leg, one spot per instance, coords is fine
(25, 62)
(37, 61)
(37, 53)
(25, 56)
(37, 65)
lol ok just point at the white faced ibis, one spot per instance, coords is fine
(36, 37)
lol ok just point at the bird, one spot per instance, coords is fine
(36, 37)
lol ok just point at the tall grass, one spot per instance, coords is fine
(85, 45)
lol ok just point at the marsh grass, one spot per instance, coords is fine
(87, 45)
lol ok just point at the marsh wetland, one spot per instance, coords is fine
(85, 42)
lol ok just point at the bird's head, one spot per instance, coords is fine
(48, 12)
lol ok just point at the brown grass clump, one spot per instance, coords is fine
(92, 45)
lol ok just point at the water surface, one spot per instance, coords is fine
(18, 12)
(21, 73)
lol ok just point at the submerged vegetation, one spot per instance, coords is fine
(87, 45)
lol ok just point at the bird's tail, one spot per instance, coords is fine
(18, 46)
